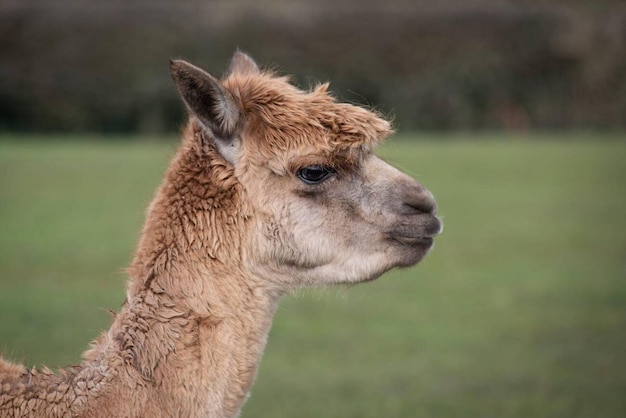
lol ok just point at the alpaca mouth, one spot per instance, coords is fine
(419, 241)
(417, 236)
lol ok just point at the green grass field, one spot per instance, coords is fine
(520, 310)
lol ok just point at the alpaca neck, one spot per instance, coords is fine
(195, 323)
(194, 364)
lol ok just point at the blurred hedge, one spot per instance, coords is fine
(72, 65)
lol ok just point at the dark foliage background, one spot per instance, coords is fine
(88, 65)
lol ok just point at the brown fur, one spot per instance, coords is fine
(226, 235)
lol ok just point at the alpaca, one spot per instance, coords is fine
(272, 189)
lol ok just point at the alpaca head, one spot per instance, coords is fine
(325, 208)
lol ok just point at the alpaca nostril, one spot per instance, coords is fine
(420, 204)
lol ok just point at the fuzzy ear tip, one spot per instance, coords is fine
(242, 63)
(240, 54)
(176, 65)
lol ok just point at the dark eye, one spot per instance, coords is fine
(315, 174)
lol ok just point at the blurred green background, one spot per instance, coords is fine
(511, 112)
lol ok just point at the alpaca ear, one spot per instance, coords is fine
(242, 63)
(210, 103)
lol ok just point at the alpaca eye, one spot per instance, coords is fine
(315, 174)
